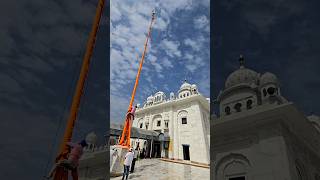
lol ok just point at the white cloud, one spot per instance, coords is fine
(119, 104)
(194, 44)
(172, 6)
(189, 57)
(202, 22)
(166, 63)
(171, 48)
(129, 23)
(161, 24)
(191, 67)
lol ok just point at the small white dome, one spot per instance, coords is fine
(150, 98)
(91, 138)
(268, 78)
(242, 75)
(193, 86)
(185, 85)
(171, 96)
(159, 97)
(159, 93)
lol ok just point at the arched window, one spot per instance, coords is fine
(249, 104)
(237, 107)
(141, 125)
(233, 167)
(264, 92)
(182, 117)
(184, 120)
(271, 90)
(227, 110)
(166, 124)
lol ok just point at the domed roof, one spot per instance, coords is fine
(91, 138)
(268, 78)
(150, 98)
(193, 86)
(159, 92)
(185, 85)
(242, 75)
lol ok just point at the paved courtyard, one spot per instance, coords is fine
(156, 169)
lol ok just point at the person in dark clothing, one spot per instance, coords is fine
(143, 153)
(135, 156)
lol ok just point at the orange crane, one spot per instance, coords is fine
(60, 172)
(126, 132)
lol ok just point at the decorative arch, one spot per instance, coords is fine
(249, 103)
(182, 116)
(233, 165)
(227, 110)
(182, 113)
(155, 119)
(139, 121)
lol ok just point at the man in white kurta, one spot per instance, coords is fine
(127, 163)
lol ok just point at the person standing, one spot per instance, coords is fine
(127, 163)
(139, 153)
(144, 153)
(135, 156)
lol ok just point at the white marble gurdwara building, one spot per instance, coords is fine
(177, 127)
(182, 118)
(259, 135)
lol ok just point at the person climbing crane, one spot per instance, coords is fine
(70, 163)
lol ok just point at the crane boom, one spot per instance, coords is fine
(125, 136)
(61, 174)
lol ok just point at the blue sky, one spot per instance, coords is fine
(179, 49)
